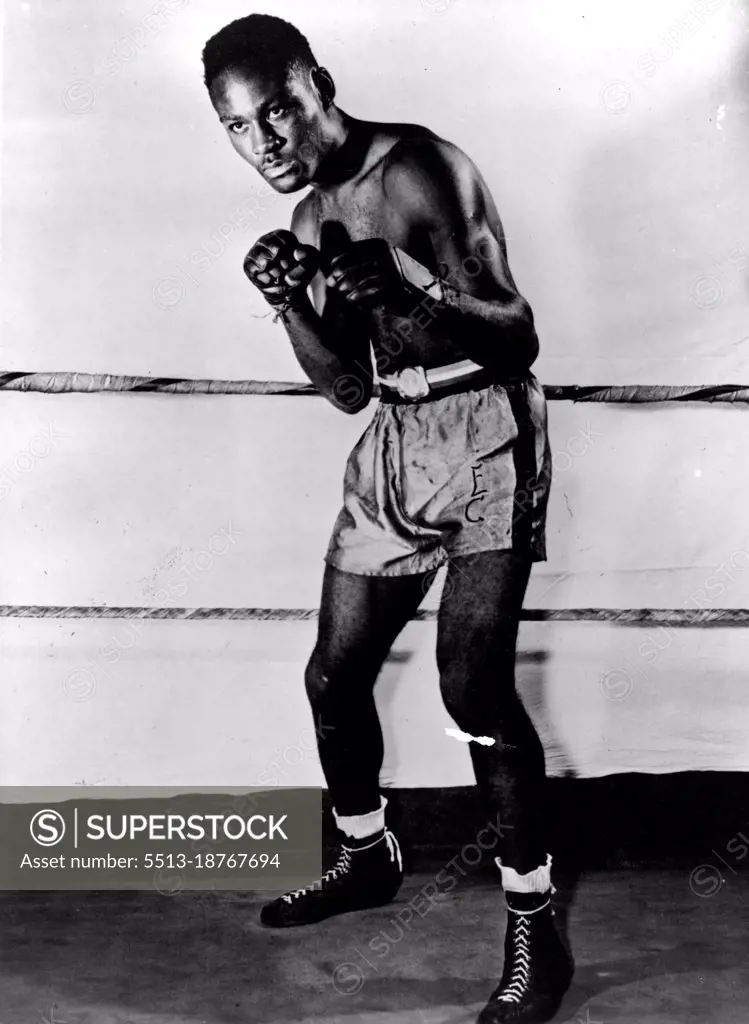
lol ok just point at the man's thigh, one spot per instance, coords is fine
(480, 610)
(361, 616)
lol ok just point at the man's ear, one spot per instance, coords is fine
(325, 85)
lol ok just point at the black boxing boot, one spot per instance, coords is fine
(368, 873)
(537, 968)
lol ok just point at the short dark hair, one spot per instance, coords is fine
(260, 40)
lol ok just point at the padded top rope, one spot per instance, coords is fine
(90, 383)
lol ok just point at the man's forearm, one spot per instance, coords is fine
(344, 380)
(497, 335)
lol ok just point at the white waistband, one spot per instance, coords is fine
(440, 373)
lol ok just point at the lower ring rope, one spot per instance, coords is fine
(90, 383)
(679, 617)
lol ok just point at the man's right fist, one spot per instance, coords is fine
(281, 266)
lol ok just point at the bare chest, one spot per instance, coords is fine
(365, 212)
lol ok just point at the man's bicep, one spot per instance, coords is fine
(474, 260)
(303, 223)
(439, 190)
(304, 226)
(468, 239)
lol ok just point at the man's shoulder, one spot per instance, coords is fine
(421, 167)
(392, 134)
(411, 146)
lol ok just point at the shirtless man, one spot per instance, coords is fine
(453, 469)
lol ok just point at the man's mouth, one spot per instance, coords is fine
(278, 168)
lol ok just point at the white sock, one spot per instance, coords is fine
(359, 826)
(538, 880)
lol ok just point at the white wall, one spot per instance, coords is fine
(620, 183)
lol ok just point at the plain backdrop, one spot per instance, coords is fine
(615, 138)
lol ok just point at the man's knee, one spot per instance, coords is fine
(479, 698)
(456, 696)
(327, 678)
(319, 680)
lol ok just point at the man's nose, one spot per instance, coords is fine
(263, 139)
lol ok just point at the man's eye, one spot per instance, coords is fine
(276, 112)
(237, 127)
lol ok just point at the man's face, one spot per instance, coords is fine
(275, 122)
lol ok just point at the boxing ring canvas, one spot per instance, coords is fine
(618, 159)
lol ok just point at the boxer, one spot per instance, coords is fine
(395, 268)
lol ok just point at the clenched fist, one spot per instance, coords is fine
(366, 274)
(281, 266)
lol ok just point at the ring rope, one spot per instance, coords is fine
(89, 383)
(678, 617)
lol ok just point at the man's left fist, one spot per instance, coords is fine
(366, 274)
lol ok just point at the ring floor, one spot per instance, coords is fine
(648, 950)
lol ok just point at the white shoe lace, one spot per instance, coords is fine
(521, 968)
(393, 849)
(343, 865)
